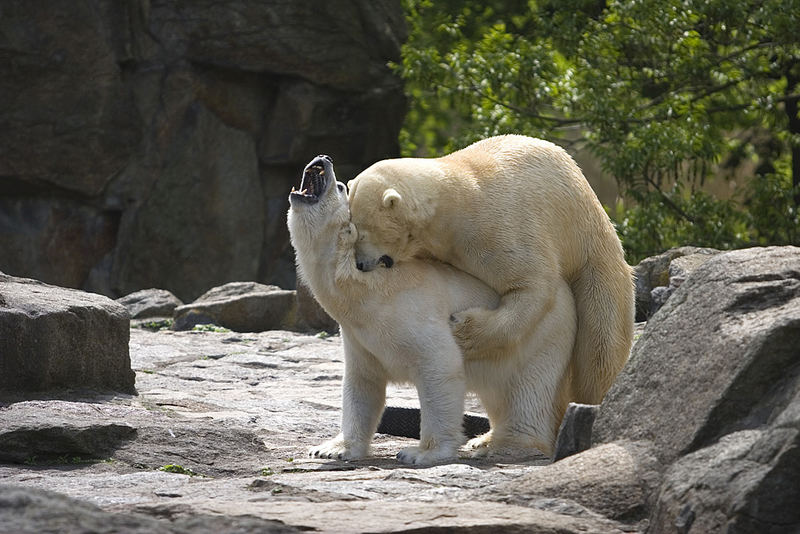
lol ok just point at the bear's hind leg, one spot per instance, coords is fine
(542, 386)
(441, 386)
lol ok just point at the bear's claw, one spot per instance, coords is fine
(337, 449)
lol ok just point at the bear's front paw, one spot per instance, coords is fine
(419, 456)
(337, 449)
(469, 331)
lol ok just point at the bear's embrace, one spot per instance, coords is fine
(395, 328)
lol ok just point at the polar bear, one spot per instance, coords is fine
(517, 213)
(395, 327)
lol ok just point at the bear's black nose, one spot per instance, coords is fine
(360, 265)
(325, 156)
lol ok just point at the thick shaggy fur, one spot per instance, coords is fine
(518, 214)
(395, 327)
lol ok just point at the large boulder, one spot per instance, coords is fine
(240, 306)
(747, 482)
(658, 276)
(153, 144)
(714, 384)
(616, 480)
(150, 303)
(57, 338)
(720, 356)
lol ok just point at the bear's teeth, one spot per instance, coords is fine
(303, 192)
(322, 172)
(293, 189)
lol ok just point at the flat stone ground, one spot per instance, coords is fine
(239, 411)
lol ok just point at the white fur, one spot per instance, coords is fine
(395, 327)
(516, 213)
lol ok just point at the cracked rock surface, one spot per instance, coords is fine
(237, 412)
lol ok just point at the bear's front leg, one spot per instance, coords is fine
(484, 333)
(363, 398)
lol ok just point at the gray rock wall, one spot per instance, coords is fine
(153, 143)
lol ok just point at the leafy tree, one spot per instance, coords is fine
(664, 92)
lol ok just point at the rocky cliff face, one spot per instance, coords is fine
(152, 143)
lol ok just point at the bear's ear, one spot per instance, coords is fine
(391, 198)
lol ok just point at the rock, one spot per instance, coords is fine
(153, 144)
(240, 306)
(150, 303)
(68, 118)
(575, 432)
(318, 43)
(73, 433)
(57, 338)
(310, 315)
(57, 240)
(33, 511)
(208, 179)
(615, 480)
(656, 279)
(239, 411)
(725, 344)
(746, 482)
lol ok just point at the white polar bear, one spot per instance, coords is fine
(518, 214)
(395, 327)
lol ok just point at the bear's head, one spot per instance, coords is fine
(386, 209)
(320, 203)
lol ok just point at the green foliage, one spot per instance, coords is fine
(663, 92)
(155, 325)
(209, 328)
(662, 220)
(773, 214)
(179, 469)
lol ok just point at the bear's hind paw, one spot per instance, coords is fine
(481, 446)
(419, 456)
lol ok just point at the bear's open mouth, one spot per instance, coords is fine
(316, 177)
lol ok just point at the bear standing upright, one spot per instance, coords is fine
(517, 213)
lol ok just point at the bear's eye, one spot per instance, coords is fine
(341, 187)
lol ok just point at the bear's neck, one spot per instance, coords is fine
(328, 267)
